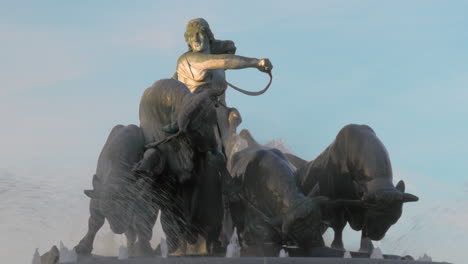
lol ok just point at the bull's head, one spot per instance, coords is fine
(384, 208)
(196, 120)
(116, 201)
(302, 223)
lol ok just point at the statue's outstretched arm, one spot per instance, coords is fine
(225, 61)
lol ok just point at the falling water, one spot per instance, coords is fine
(36, 258)
(425, 257)
(283, 253)
(67, 255)
(123, 252)
(164, 248)
(376, 253)
(233, 249)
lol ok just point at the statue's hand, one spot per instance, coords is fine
(264, 65)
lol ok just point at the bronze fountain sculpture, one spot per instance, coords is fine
(184, 162)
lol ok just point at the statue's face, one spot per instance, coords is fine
(199, 42)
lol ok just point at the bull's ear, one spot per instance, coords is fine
(315, 191)
(234, 118)
(91, 194)
(401, 186)
(96, 181)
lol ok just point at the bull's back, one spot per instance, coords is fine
(356, 152)
(159, 105)
(365, 154)
(267, 175)
(123, 148)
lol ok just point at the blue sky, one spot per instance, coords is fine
(71, 70)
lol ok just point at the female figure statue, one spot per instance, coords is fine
(194, 146)
(203, 65)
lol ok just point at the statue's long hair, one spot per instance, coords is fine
(197, 25)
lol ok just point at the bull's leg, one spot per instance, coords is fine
(211, 203)
(131, 238)
(145, 219)
(338, 224)
(366, 244)
(95, 222)
(172, 225)
(171, 228)
(338, 239)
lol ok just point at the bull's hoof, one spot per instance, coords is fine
(141, 249)
(217, 249)
(157, 250)
(337, 245)
(181, 251)
(407, 257)
(83, 248)
(365, 250)
(366, 246)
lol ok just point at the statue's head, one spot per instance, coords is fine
(198, 35)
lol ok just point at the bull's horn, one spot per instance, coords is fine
(91, 194)
(408, 197)
(401, 186)
(315, 191)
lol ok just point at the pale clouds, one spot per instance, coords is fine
(33, 58)
(431, 226)
(436, 224)
(153, 37)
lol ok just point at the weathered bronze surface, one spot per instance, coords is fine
(187, 160)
